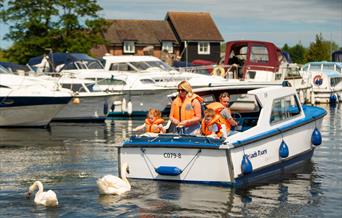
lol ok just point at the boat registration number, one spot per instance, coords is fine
(172, 155)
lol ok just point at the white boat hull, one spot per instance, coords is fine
(87, 106)
(34, 116)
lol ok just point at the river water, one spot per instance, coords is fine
(69, 157)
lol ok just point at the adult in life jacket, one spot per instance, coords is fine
(153, 122)
(186, 111)
(211, 124)
(223, 110)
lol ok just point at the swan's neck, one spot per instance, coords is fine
(39, 185)
(124, 176)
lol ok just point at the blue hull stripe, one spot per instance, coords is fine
(256, 176)
(6, 102)
(277, 168)
(311, 114)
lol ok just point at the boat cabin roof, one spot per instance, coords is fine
(129, 58)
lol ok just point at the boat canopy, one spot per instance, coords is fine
(69, 61)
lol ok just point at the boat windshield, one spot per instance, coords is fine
(145, 65)
(160, 65)
(315, 67)
(84, 64)
(328, 67)
(4, 70)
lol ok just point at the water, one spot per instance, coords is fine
(69, 157)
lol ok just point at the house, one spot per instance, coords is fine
(197, 32)
(138, 37)
(184, 35)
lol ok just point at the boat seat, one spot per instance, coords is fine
(244, 106)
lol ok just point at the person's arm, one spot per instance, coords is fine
(173, 120)
(227, 115)
(198, 114)
(139, 127)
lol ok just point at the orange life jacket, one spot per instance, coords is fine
(183, 110)
(205, 126)
(153, 126)
(218, 107)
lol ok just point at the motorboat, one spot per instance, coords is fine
(276, 133)
(141, 89)
(326, 80)
(87, 104)
(26, 101)
(156, 70)
(262, 61)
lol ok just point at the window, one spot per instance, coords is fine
(328, 67)
(259, 54)
(203, 48)
(121, 67)
(315, 67)
(284, 108)
(168, 46)
(129, 47)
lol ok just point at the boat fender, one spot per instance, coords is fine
(168, 171)
(316, 138)
(283, 150)
(246, 165)
(332, 99)
(112, 108)
(129, 108)
(123, 105)
(105, 108)
(76, 101)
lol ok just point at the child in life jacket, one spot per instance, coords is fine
(153, 122)
(211, 125)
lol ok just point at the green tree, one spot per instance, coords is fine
(319, 50)
(297, 53)
(60, 25)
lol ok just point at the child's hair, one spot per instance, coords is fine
(209, 113)
(154, 112)
(224, 94)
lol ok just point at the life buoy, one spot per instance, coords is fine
(218, 71)
(317, 80)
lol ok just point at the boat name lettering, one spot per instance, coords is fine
(257, 153)
(172, 155)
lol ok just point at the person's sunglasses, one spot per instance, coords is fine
(181, 90)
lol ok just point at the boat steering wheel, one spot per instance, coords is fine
(238, 118)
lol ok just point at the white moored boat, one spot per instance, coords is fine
(275, 132)
(26, 101)
(87, 104)
(326, 80)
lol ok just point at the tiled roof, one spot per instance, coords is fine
(196, 26)
(144, 32)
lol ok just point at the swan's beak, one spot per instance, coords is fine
(127, 170)
(28, 195)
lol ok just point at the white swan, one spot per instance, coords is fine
(110, 184)
(48, 198)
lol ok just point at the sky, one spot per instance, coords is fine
(278, 21)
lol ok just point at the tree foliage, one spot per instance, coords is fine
(320, 50)
(60, 25)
